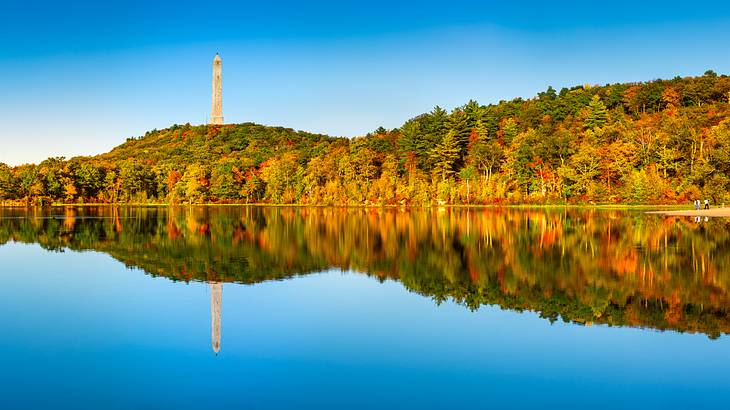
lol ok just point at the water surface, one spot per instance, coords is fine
(312, 308)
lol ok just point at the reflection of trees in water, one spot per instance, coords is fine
(583, 266)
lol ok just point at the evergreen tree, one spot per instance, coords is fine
(458, 125)
(445, 155)
(597, 113)
(509, 131)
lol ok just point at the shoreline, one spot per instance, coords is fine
(712, 212)
(648, 208)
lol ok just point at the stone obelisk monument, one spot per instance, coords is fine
(216, 114)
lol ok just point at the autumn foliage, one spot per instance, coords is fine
(663, 141)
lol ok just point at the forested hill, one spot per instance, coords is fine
(248, 142)
(663, 141)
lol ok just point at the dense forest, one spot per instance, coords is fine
(663, 141)
(580, 266)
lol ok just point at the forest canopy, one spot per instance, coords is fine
(663, 141)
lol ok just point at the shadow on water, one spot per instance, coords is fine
(580, 266)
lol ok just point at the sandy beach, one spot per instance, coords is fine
(712, 212)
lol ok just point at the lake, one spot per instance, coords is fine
(256, 307)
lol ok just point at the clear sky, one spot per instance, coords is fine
(79, 77)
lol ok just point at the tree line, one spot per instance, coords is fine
(663, 141)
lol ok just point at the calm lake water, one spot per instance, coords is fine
(351, 308)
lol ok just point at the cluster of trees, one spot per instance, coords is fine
(609, 267)
(664, 141)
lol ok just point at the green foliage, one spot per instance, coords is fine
(597, 113)
(138, 182)
(445, 155)
(89, 179)
(583, 169)
(8, 184)
(225, 181)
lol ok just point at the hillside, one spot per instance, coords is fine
(663, 141)
(209, 144)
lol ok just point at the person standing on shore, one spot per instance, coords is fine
(707, 204)
(697, 204)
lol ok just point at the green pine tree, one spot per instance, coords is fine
(445, 155)
(597, 113)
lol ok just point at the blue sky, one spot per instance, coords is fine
(77, 78)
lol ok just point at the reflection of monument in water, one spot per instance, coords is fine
(216, 296)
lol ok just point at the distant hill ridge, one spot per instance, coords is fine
(663, 141)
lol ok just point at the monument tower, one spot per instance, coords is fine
(216, 114)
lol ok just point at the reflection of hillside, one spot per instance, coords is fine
(582, 266)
